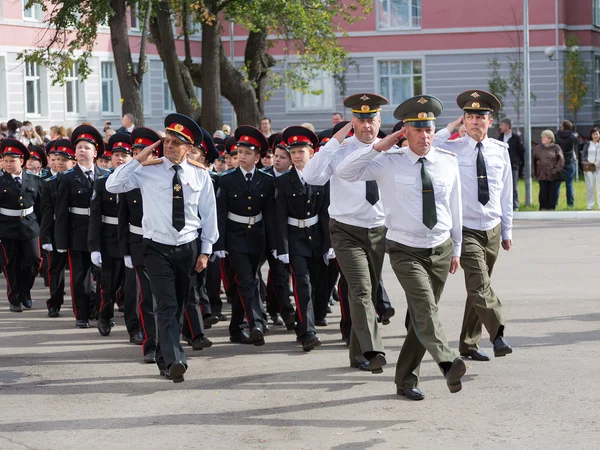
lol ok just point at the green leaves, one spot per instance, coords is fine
(574, 78)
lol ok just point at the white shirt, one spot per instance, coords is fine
(18, 175)
(506, 137)
(244, 172)
(499, 209)
(155, 183)
(593, 152)
(277, 174)
(130, 129)
(300, 175)
(398, 175)
(84, 170)
(348, 202)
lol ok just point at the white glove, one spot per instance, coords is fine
(274, 253)
(47, 247)
(96, 259)
(128, 261)
(331, 254)
(220, 254)
(284, 259)
(60, 250)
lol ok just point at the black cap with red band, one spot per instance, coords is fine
(251, 137)
(120, 142)
(296, 136)
(14, 148)
(64, 147)
(89, 134)
(38, 153)
(144, 137)
(184, 127)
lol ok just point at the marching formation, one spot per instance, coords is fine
(180, 214)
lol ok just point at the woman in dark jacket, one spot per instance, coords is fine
(547, 162)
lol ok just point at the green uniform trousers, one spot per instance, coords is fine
(360, 252)
(479, 253)
(422, 272)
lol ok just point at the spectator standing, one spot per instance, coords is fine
(569, 144)
(128, 123)
(14, 129)
(547, 163)
(29, 136)
(591, 166)
(265, 126)
(516, 151)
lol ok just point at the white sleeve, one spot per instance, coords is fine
(456, 210)
(124, 178)
(319, 168)
(207, 209)
(506, 200)
(440, 137)
(362, 165)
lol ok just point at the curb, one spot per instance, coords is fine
(555, 215)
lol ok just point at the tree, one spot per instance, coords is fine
(70, 33)
(574, 79)
(497, 85)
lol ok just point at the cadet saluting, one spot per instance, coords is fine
(178, 199)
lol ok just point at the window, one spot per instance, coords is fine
(134, 22)
(108, 91)
(34, 12)
(400, 80)
(33, 89)
(596, 13)
(168, 104)
(394, 14)
(299, 101)
(73, 91)
(597, 77)
(3, 91)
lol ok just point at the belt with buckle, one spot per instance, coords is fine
(16, 212)
(79, 211)
(136, 230)
(303, 223)
(246, 220)
(110, 220)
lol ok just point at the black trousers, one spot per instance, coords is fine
(45, 267)
(247, 301)
(111, 276)
(548, 194)
(203, 299)
(193, 324)
(310, 281)
(147, 310)
(213, 286)
(130, 294)
(22, 265)
(278, 288)
(56, 278)
(170, 270)
(81, 283)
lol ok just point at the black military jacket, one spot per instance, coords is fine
(104, 207)
(13, 198)
(49, 193)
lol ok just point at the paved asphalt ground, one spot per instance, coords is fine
(64, 388)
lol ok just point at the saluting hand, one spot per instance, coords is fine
(388, 142)
(452, 125)
(341, 134)
(147, 151)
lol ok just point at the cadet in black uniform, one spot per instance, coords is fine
(103, 244)
(20, 207)
(303, 233)
(246, 208)
(131, 244)
(63, 155)
(73, 215)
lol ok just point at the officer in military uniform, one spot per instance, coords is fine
(103, 244)
(246, 210)
(131, 237)
(20, 208)
(303, 233)
(63, 154)
(75, 190)
(357, 227)
(178, 199)
(486, 177)
(420, 187)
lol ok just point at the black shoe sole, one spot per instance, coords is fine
(258, 337)
(474, 358)
(87, 325)
(176, 372)
(387, 315)
(502, 352)
(377, 362)
(204, 345)
(365, 369)
(456, 372)
(310, 346)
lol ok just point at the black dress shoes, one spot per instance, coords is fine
(501, 347)
(277, 320)
(53, 312)
(290, 322)
(200, 342)
(476, 355)
(222, 317)
(175, 372)
(240, 338)
(136, 338)
(104, 327)
(374, 365)
(411, 393)
(321, 322)
(27, 303)
(453, 373)
(16, 308)
(82, 323)
(387, 315)
(210, 320)
(309, 342)
(150, 357)
(257, 335)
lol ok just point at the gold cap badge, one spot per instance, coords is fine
(365, 108)
(423, 115)
(364, 98)
(178, 127)
(475, 105)
(422, 101)
(475, 95)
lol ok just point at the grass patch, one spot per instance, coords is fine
(578, 187)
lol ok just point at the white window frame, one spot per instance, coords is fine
(167, 101)
(33, 72)
(596, 13)
(413, 20)
(412, 75)
(145, 92)
(114, 90)
(74, 83)
(327, 84)
(34, 13)
(597, 77)
(3, 88)
(133, 13)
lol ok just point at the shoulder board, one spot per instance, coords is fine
(104, 176)
(500, 143)
(67, 171)
(152, 162)
(227, 172)
(446, 151)
(266, 173)
(53, 177)
(32, 174)
(287, 171)
(196, 163)
(395, 150)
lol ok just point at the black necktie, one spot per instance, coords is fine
(18, 181)
(178, 212)
(90, 176)
(372, 192)
(429, 212)
(483, 190)
(248, 179)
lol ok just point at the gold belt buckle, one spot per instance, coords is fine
(23, 213)
(251, 220)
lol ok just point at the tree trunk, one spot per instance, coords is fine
(182, 92)
(128, 85)
(258, 62)
(212, 116)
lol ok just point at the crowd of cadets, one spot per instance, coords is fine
(287, 200)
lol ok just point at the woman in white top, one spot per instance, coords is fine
(591, 156)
